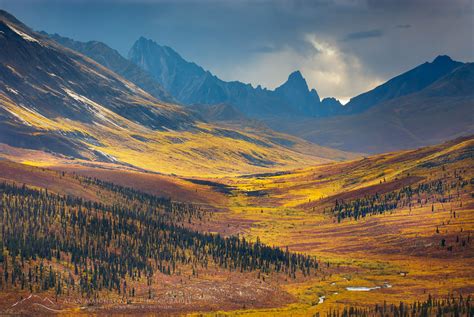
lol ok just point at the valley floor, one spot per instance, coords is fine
(420, 247)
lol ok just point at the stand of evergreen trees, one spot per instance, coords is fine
(105, 245)
(407, 196)
(449, 306)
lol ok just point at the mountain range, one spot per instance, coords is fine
(413, 109)
(425, 105)
(111, 59)
(190, 84)
(384, 118)
(59, 101)
(440, 111)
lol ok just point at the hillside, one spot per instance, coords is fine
(112, 244)
(377, 222)
(58, 101)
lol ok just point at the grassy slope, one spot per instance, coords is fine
(203, 151)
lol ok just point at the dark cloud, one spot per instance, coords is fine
(363, 35)
(230, 37)
(403, 26)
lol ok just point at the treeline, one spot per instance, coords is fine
(126, 195)
(449, 306)
(407, 196)
(105, 246)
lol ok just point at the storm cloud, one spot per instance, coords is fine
(342, 47)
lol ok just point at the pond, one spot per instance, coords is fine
(321, 299)
(367, 289)
(361, 288)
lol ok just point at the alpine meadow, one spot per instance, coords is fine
(247, 158)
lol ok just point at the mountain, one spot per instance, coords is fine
(111, 59)
(393, 116)
(439, 112)
(46, 82)
(190, 84)
(409, 82)
(60, 105)
(296, 90)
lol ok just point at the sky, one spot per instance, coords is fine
(342, 47)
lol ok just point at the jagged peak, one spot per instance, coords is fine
(331, 102)
(296, 75)
(144, 39)
(296, 79)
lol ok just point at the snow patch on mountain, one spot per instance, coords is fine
(93, 106)
(25, 36)
(12, 90)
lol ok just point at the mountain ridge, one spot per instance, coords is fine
(293, 97)
(332, 113)
(439, 112)
(191, 84)
(110, 58)
(411, 81)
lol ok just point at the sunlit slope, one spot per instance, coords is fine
(56, 100)
(412, 247)
(308, 187)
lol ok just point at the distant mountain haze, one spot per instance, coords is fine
(292, 97)
(409, 82)
(441, 111)
(388, 117)
(191, 84)
(167, 76)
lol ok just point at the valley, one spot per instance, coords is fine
(148, 186)
(398, 253)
